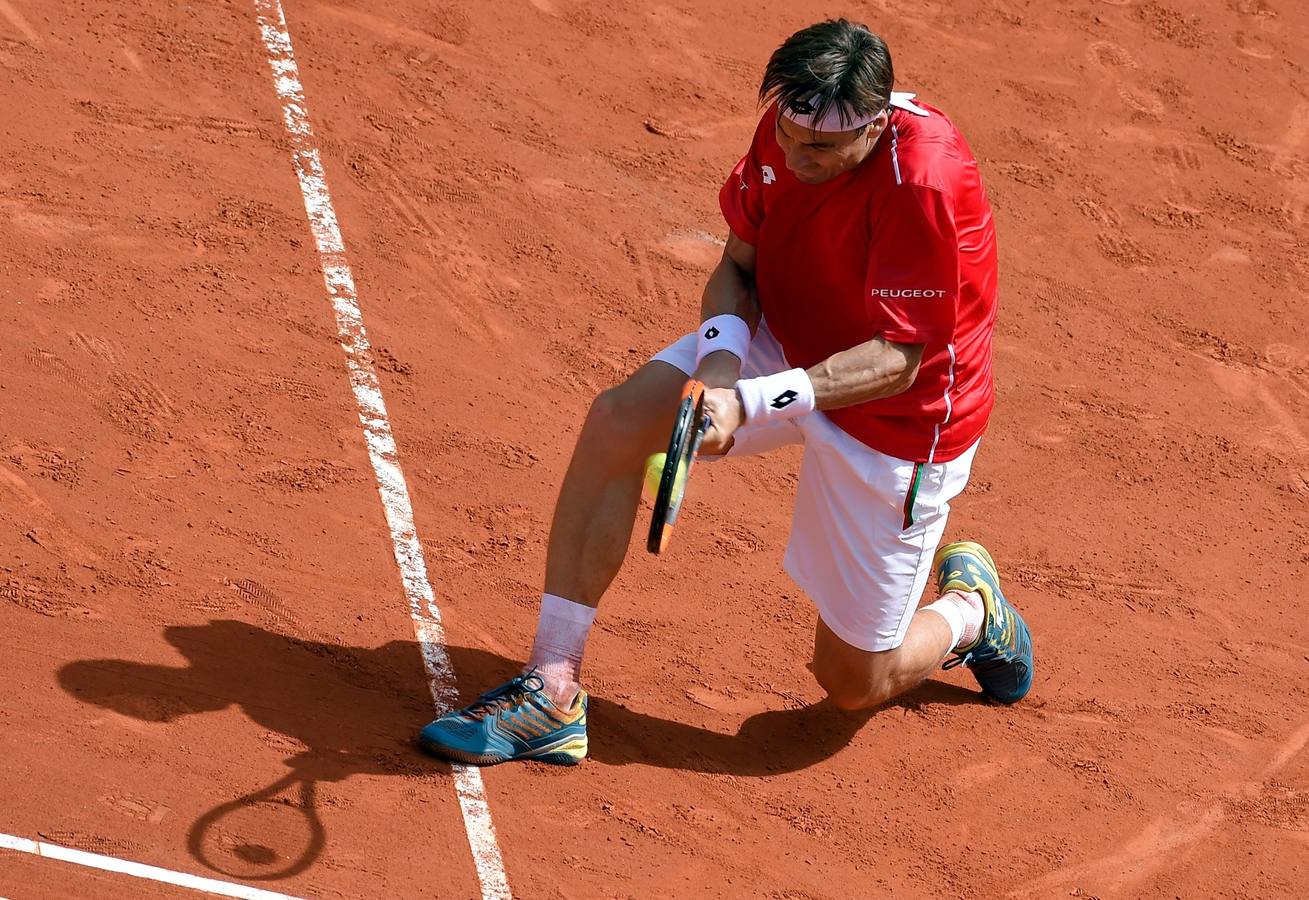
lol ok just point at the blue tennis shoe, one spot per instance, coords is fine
(514, 721)
(1001, 658)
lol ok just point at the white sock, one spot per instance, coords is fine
(560, 643)
(954, 617)
(963, 613)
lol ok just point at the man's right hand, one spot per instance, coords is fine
(723, 410)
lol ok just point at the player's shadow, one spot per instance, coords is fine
(341, 711)
(330, 711)
(767, 743)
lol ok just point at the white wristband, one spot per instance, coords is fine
(726, 332)
(782, 396)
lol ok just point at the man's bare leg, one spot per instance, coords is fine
(859, 679)
(597, 503)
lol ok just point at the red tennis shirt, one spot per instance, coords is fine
(901, 246)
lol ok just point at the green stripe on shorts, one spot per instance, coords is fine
(912, 495)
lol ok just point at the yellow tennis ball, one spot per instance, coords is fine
(654, 470)
(654, 473)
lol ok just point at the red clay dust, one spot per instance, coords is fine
(207, 655)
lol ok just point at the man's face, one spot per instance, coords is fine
(818, 156)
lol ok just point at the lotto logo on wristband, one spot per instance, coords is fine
(724, 332)
(783, 395)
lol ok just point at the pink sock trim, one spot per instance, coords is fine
(973, 610)
(561, 633)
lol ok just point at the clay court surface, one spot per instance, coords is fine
(207, 656)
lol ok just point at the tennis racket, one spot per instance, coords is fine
(688, 431)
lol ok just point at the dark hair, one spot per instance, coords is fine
(833, 62)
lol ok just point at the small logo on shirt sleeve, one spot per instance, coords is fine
(769, 175)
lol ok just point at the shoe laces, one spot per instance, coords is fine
(984, 657)
(506, 696)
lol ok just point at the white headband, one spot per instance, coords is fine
(840, 117)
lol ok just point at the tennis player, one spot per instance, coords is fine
(852, 312)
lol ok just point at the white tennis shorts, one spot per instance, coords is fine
(866, 525)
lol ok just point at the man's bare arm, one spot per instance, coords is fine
(869, 371)
(729, 291)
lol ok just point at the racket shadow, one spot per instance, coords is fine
(329, 711)
(254, 859)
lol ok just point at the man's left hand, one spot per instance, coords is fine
(723, 407)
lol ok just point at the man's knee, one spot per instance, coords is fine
(615, 420)
(854, 688)
(626, 421)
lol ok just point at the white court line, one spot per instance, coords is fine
(137, 870)
(377, 432)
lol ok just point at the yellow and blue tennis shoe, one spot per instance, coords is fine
(1001, 658)
(514, 721)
